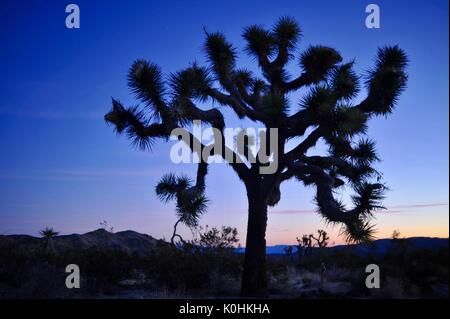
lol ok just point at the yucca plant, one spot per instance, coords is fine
(48, 233)
(327, 112)
(321, 239)
(191, 202)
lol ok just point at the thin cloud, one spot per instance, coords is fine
(79, 174)
(389, 211)
(425, 205)
(397, 209)
(108, 173)
(50, 115)
(293, 211)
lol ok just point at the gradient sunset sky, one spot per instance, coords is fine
(62, 166)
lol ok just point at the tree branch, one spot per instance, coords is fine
(304, 146)
(238, 106)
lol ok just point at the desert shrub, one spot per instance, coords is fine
(209, 266)
(41, 273)
(419, 270)
(276, 266)
(30, 274)
(216, 240)
(207, 262)
(102, 270)
(12, 264)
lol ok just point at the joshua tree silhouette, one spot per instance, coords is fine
(48, 233)
(326, 112)
(190, 202)
(321, 239)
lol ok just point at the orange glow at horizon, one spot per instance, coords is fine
(409, 225)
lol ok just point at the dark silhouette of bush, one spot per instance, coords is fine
(214, 269)
(197, 263)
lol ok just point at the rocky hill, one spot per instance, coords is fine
(126, 241)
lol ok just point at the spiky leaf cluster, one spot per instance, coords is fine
(191, 202)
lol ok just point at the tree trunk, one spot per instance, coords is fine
(174, 235)
(254, 278)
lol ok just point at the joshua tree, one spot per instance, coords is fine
(325, 113)
(104, 225)
(190, 203)
(321, 239)
(395, 234)
(48, 233)
(304, 244)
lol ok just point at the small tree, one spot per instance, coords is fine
(321, 239)
(104, 225)
(48, 234)
(214, 239)
(306, 242)
(328, 112)
(304, 245)
(190, 202)
(395, 234)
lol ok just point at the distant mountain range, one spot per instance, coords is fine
(133, 242)
(379, 247)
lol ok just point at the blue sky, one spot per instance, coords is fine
(62, 166)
